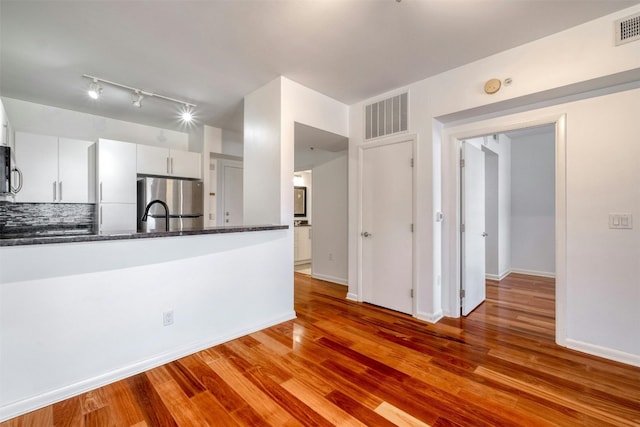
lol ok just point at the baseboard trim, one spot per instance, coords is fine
(352, 297)
(21, 407)
(429, 317)
(332, 279)
(607, 353)
(498, 277)
(533, 273)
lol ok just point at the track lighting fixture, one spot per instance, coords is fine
(137, 99)
(186, 114)
(94, 89)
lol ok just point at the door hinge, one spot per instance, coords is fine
(462, 293)
(461, 163)
(462, 228)
(411, 162)
(412, 228)
(411, 293)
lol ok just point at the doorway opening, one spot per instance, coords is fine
(536, 220)
(508, 220)
(319, 192)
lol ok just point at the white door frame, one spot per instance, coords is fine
(451, 258)
(379, 143)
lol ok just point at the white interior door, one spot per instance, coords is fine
(387, 217)
(232, 213)
(473, 228)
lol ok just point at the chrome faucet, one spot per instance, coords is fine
(166, 212)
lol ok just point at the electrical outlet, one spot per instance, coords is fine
(330, 257)
(167, 318)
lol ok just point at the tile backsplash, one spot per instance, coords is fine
(45, 219)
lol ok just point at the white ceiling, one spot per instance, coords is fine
(213, 53)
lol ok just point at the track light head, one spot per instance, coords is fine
(94, 90)
(137, 99)
(186, 115)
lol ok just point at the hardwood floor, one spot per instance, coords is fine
(343, 363)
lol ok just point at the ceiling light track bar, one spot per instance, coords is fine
(136, 90)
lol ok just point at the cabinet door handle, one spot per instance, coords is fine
(100, 215)
(55, 191)
(172, 165)
(100, 190)
(168, 166)
(60, 190)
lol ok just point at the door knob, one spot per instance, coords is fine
(484, 234)
(365, 234)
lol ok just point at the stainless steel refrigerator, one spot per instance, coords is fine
(183, 197)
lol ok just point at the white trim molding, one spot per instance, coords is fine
(607, 353)
(451, 203)
(429, 317)
(332, 279)
(534, 272)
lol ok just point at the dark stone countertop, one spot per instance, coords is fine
(39, 240)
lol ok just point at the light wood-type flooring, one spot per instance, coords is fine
(343, 363)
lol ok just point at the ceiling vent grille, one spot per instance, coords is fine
(628, 29)
(386, 117)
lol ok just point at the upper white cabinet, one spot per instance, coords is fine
(116, 171)
(167, 162)
(55, 170)
(116, 186)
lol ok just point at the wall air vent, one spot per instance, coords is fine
(386, 117)
(628, 29)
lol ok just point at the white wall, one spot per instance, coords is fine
(533, 204)
(232, 143)
(330, 220)
(541, 74)
(43, 119)
(84, 315)
(603, 171)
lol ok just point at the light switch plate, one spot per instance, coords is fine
(621, 221)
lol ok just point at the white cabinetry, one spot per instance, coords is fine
(166, 162)
(302, 244)
(55, 169)
(116, 186)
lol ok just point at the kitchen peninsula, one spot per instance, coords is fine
(78, 312)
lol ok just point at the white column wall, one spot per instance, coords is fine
(263, 149)
(270, 116)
